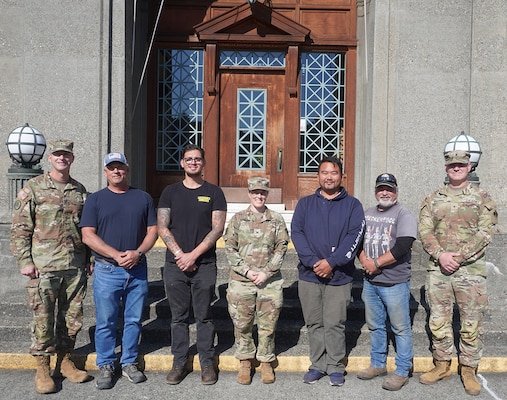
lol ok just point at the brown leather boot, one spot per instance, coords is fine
(470, 382)
(245, 372)
(65, 366)
(267, 373)
(441, 371)
(44, 384)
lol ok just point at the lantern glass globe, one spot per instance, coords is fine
(26, 146)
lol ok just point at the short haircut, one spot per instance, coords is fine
(333, 160)
(190, 147)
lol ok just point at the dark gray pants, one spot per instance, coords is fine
(325, 312)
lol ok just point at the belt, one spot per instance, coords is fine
(103, 261)
(383, 284)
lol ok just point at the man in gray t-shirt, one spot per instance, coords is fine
(390, 231)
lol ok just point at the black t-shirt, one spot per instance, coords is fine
(191, 211)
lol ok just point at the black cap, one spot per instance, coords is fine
(386, 180)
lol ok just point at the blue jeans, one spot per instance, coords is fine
(113, 286)
(393, 302)
(185, 292)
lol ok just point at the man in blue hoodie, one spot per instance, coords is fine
(327, 229)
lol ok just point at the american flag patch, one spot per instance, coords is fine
(23, 194)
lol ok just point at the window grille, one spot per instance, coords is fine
(251, 129)
(322, 109)
(179, 106)
(230, 58)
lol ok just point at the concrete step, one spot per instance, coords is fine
(291, 339)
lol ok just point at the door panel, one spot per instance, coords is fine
(252, 117)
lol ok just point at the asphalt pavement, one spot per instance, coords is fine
(18, 384)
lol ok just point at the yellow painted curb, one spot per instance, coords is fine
(154, 362)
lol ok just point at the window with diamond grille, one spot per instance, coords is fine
(251, 129)
(179, 106)
(322, 108)
(230, 58)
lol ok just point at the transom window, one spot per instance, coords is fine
(322, 109)
(237, 58)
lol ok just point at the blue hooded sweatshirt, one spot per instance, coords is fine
(328, 229)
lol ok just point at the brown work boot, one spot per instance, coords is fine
(395, 382)
(441, 371)
(371, 372)
(176, 375)
(267, 373)
(44, 384)
(208, 375)
(245, 372)
(470, 382)
(65, 366)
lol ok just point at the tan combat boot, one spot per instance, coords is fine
(65, 366)
(267, 373)
(44, 384)
(245, 372)
(470, 382)
(441, 371)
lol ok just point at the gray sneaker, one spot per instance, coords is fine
(105, 379)
(132, 373)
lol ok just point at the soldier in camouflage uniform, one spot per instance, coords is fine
(46, 242)
(256, 242)
(456, 224)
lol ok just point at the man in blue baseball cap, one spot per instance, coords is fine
(119, 224)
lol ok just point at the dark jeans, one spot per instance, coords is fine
(186, 291)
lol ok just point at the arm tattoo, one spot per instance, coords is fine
(217, 227)
(163, 220)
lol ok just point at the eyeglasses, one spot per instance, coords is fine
(190, 160)
(116, 165)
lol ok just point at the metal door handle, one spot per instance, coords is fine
(279, 161)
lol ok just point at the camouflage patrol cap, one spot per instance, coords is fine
(258, 183)
(457, 157)
(61, 145)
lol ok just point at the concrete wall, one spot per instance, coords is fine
(427, 71)
(54, 58)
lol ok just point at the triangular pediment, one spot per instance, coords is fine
(248, 23)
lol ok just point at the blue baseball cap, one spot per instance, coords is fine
(115, 157)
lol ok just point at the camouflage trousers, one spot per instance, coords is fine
(56, 299)
(469, 293)
(248, 304)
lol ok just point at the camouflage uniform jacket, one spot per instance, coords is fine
(458, 222)
(257, 242)
(45, 225)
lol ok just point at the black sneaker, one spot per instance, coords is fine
(176, 375)
(105, 379)
(208, 375)
(132, 373)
